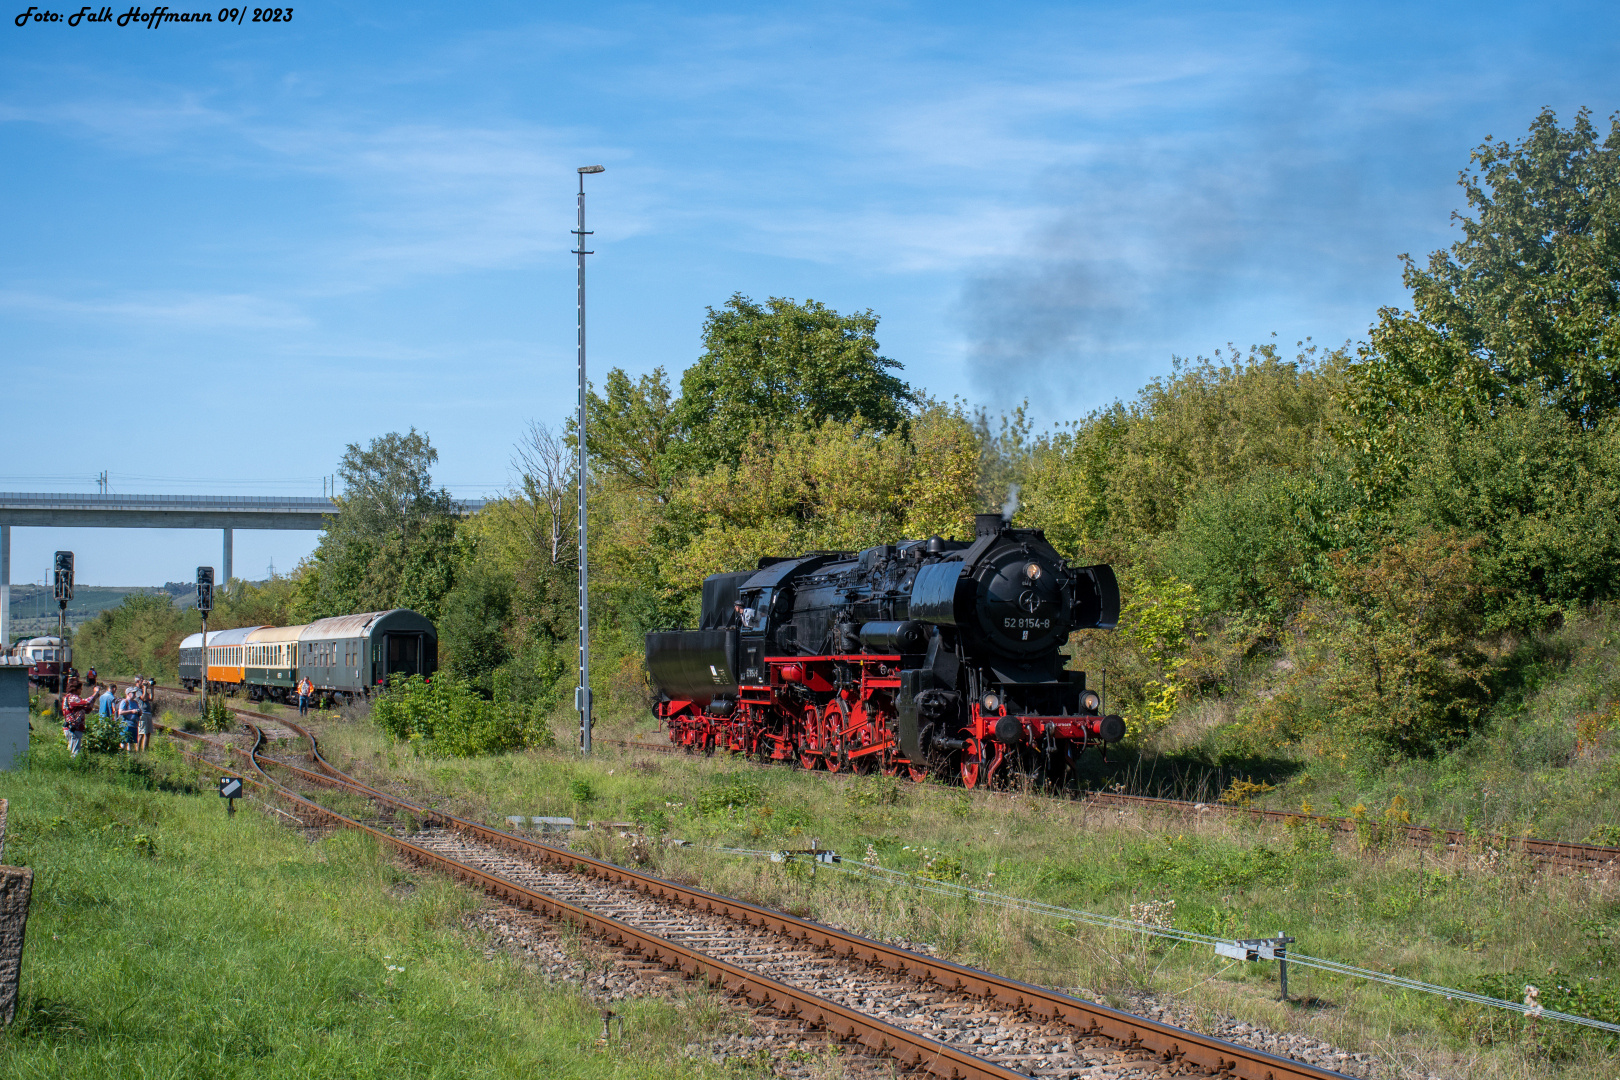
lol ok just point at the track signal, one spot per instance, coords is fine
(205, 588)
(64, 575)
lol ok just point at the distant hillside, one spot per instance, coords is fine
(33, 607)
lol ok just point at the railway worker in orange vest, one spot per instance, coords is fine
(305, 690)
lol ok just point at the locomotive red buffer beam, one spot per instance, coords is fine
(1014, 729)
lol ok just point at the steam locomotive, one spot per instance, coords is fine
(927, 657)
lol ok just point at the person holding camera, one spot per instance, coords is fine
(73, 709)
(145, 697)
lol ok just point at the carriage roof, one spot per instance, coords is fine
(344, 627)
(235, 636)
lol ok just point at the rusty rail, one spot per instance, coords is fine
(1567, 852)
(1167, 1044)
(1424, 836)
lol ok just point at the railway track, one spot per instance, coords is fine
(927, 1014)
(1571, 854)
(1565, 853)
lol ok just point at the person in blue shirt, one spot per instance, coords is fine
(104, 703)
(129, 712)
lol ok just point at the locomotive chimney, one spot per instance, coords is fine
(986, 525)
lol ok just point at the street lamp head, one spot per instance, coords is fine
(583, 169)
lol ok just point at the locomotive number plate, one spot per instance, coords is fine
(1011, 623)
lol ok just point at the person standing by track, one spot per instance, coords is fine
(306, 690)
(107, 702)
(143, 731)
(129, 712)
(73, 709)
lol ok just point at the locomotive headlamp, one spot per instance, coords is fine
(1033, 571)
(991, 703)
(1090, 701)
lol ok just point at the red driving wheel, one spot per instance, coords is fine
(974, 773)
(833, 723)
(810, 740)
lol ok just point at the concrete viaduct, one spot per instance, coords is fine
(223, 512)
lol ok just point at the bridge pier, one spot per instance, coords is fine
(5, 587)
(226, 565)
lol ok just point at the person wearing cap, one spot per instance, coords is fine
(129, 711)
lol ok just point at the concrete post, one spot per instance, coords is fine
(5, 587)
(13, 715)
(226, 580)
(16, 890)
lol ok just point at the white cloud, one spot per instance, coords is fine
(178, 311)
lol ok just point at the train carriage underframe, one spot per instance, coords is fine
(839, 713)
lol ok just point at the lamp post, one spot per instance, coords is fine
(582, 692)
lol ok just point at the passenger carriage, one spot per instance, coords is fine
(350, 655)
(227, 656)
(270, 664)
(344, 657)
(191, 671)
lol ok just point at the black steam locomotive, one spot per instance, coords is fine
(923, 657)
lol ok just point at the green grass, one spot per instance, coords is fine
(1478, 920)
(1544, 762)
(168, 940)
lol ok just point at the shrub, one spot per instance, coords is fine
(1409, 677)
(727, 792)
(102, 734)
(447, 717)
(217, 716)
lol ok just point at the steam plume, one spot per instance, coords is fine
(1010, 507)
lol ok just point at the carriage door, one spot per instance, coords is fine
(404, 653)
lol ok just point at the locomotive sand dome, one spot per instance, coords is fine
(927, 656)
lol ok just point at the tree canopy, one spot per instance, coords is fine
(1523, 309)
(783, 365)
(393, 542)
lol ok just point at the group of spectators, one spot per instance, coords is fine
(134, 710)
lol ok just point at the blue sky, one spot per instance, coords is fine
(229, 250)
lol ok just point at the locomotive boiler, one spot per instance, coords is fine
(927, 657)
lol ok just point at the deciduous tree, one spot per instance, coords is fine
(780, 366)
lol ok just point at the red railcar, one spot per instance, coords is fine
(49, 659)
